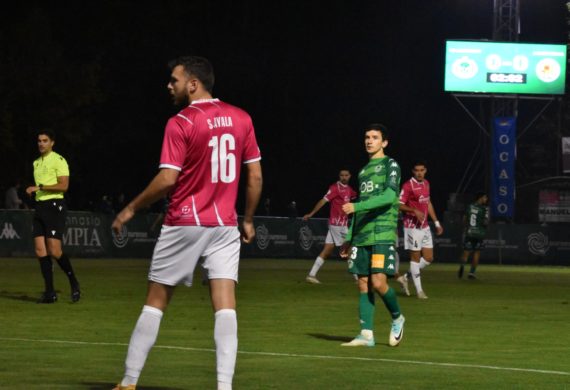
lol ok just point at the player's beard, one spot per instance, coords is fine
(180, 99)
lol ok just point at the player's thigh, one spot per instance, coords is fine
(221, 257)
(336, 235)
(427, 239)
(359, 260)
(176, 254)
(54, 215)
(413, 239)
(40, 246)
(222, 294)
(54, 247)
(383, 259)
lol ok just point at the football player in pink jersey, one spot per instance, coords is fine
(203, 150)
(415, 204)
(338, 194)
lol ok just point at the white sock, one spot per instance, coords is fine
(316, 266)
(225, 336)
(424, 263)
(142, 340)
(415, 270)
(224, 386)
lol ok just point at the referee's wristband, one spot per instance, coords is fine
(437, 224)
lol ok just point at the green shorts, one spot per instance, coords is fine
(374, 259)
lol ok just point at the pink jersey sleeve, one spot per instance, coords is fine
(174, 146)
(331, 193)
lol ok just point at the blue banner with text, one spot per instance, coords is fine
(503, 167)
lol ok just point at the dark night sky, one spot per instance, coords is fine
(311, 76)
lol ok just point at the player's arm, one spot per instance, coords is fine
(317, 207)
(407, 209)
(431, 212)
(158, 188)
(385, 198)
(62, 185)
(345, 247)
(254, 184)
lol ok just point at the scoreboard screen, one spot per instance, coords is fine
(500, 67)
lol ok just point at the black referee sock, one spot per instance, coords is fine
(65, 265)
(46, 266)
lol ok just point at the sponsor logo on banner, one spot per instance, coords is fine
(9, 233)
(120, 240)
(305, 238)
(262, 237)
(538, 243)
(82, 231)
(503, 167)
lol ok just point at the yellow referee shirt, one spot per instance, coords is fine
(46, 171)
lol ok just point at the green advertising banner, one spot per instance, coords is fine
(89, 235)
(498, 67)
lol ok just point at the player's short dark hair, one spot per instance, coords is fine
(419, 162)
(199, 67)
(479, 195)
(49, 132)
(378, 127)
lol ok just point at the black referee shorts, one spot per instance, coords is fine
(49, 218)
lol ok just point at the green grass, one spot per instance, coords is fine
(510, 329)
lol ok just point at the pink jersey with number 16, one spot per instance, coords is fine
(207, 142)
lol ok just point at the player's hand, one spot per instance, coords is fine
(344, 250)
(31, 189)
(306, 217)
(439, 230)
(122, 218)
(348, 208)
(247, 232)
(419, 215)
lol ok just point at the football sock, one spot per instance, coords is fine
(366, 310)
(415, 271)
(316, 266)
(473, 269)
(391, 303)
(225, 336)
(143, 338)
(65, 265)
(46, 266)
(424, 263)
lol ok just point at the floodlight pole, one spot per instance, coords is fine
(506, 28)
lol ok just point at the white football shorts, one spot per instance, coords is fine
(336, 235)
(179, 248)
(416, 239)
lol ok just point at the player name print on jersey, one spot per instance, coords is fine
(219, 121)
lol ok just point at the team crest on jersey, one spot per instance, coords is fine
(378, 168)
(185, 210)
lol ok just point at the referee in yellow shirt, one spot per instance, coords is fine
(51, 175)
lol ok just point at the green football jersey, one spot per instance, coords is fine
(477, 218)
(376, 212)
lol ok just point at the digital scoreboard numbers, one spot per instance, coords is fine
(497, 67)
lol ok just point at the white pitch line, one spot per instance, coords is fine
(278, 354)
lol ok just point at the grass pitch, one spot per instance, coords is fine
(509, 329)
